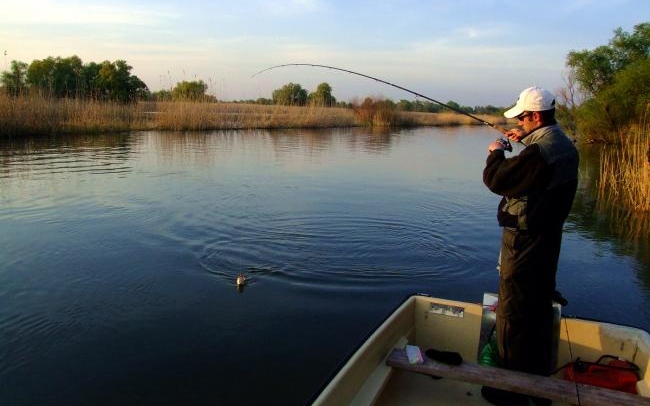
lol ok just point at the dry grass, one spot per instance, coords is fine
(208, 116)
(39, 116)
(446, 119)
(35, 115)
(625, 170)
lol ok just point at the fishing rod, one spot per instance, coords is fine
(457, 110)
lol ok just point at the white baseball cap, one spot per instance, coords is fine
(532, 99)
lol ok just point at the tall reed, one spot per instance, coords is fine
(203, 116)
(36, 115)
(625, 169)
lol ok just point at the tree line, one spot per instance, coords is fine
(71, 78)
(58, 77)
(293, 94)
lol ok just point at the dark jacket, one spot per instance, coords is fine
(538, 185)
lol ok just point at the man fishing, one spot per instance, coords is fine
(538, 186)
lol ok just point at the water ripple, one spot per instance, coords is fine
(333, 249)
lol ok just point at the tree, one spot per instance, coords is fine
(89, 85)
(69, 77)
(262, 100)
(291, 94)
(596, 69)
(114, 82)
(614, 81)
(162, 95)
(57, 77)
(405, 105)
(455, 106)
(619, 104)
(14, 81)
(194, 90)
(40, 76)
(568, 101)
(322, 96)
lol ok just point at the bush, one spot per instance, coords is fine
(380, 113)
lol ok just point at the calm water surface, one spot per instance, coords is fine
(118, 256)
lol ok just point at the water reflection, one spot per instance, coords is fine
(50, 155)
(303, 142)
(605, 222)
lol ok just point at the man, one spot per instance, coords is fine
(538, 187)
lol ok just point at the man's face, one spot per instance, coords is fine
(528, 121)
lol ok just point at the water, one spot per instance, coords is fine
(119, 253)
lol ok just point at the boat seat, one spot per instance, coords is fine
(521, 382)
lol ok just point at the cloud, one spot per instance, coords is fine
(476, 33)
(38, 12)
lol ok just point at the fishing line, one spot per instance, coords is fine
(457, 110)
(575, 382)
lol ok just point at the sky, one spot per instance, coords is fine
(476, 53)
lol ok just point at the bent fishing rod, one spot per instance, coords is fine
(457, 110)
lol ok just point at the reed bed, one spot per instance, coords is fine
(34, 115)
(625, 170)
(209, 116)
(445, 119)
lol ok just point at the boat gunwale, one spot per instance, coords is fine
(360, 345)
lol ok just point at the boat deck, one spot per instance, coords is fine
(407, 388)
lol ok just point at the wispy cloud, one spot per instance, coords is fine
(32, 12)
(478, 33)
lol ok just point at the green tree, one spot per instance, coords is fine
(115, 82)
(618, 105)
(40, 76)
(454, 105)
(262, 100)
(291, 94)
(14, 80)
(614, 80)
(489, 109)
(405, 105)
(57, 77)
(162, 95)
(89, 80)
(194, 90)
(322, 96)
(595, 69)
(69, 77)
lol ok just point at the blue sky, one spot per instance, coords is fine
(471, 52)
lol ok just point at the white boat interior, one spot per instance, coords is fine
(368, 379)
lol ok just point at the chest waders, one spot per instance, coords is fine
(528, 264)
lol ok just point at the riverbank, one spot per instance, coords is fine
(39, 116)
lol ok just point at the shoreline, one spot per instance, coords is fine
(33, 116)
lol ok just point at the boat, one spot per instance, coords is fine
(381, 373)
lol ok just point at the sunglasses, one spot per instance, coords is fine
(523, 115)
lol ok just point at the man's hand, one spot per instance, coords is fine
(500, 144)
(516, 134)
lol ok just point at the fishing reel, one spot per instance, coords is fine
(505, 144)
